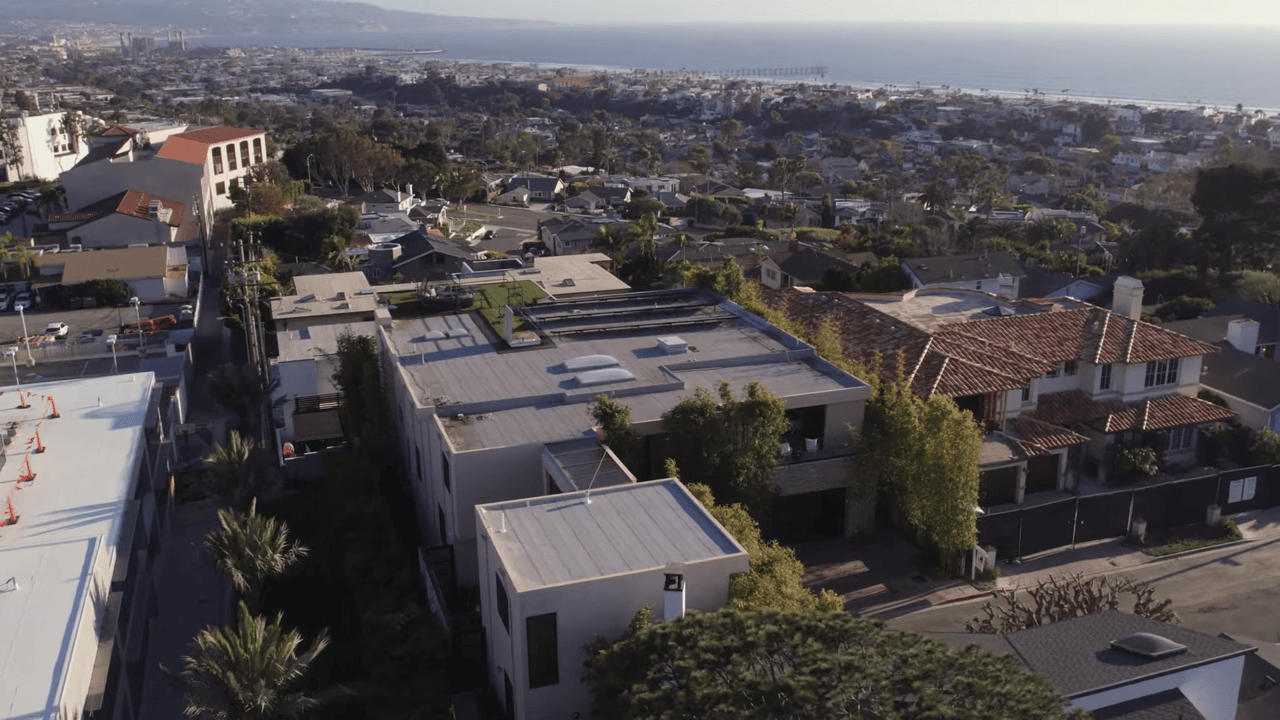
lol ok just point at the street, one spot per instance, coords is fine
(1232, 589)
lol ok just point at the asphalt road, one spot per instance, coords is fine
(1232, 589)
(512, 226)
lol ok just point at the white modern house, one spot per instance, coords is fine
(80, 533)
(479, 411)
(47, 148)
(559, 571)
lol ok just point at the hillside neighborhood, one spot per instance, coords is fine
(485, 390)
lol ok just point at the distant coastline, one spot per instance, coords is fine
(1163, 67)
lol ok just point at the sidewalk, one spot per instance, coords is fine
(885, 577)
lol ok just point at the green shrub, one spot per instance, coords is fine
(1265, 449)
(1184, 307)
(1135, 461)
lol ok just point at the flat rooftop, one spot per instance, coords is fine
(648, 349)
(928, 308)
(70, 520)
(318, 340)
(561, 539)
(325, 294)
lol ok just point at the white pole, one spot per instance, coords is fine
(137, 313)
(26, 338)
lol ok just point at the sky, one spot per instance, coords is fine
(1139, 12)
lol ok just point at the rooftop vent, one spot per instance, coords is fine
(1148, 645)
(604, 376)
(999, 311)
(433, 335)
(308, 298)
(673, 345)
(589, 362)
(457, 332)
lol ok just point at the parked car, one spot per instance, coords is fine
(488, 235)
(57, 329)
(5, 299)
(23, 300)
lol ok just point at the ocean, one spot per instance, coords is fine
(1163, 65)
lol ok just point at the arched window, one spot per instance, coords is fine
(257, 151)
(217, 160)
(231, 156)
(244, 153)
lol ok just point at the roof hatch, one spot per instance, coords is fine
(1148, 645)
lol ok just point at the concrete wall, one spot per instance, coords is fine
(584, 610)
(844, 419)
(486, 476)
(1133, 379)
(42, 156)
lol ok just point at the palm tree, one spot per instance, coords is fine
(336, 256)
(248, 548)
(937, 195)
(236, 472)
(18, 253)
(245, 672)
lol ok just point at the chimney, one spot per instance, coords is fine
(408, 189)
(793, 245)
(1127, 297)
(673, 593)
(1243, 335)
(1006, 287)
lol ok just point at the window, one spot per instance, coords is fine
(375, 272)
(220, 188)
(235, 182)
(1069, 368)
(544, 651)
(217, 161)
(1026, 395)
(1054, 372)
(244, 153)
(231, 156)
(1182, 438)
(1104, 377)
(504, 604)
(444, 525)
(257, 151)
(1162, 372)
(417, 452)
(444, 470)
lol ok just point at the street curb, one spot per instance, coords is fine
(977, 594)
(1184, 553)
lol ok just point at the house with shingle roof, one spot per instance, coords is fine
(1058, 383)
(1120, 666)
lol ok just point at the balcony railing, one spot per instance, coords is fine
(317, 403)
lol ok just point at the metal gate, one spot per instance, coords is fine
(999, 487)
(1042, 473)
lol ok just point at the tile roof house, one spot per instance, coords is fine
(1119, 666)
(226, 154)
(1242, 374)
(126, 218)
(1064, 381)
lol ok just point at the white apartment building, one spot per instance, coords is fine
(47, 149)
(559, 571)
(80, 535)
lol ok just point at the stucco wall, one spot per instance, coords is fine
(1213, 689)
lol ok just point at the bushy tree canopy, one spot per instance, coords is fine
(732, 664)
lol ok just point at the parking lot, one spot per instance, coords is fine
(106, 320)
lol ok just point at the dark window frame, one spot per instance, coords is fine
(542, 647)
(1104, 377)
(503, 602)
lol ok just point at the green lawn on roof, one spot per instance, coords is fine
(491, 297)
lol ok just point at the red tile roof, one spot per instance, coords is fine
(184, 150)
(1046, 437)
(1166, 412)
(219, 134)
(137, 204)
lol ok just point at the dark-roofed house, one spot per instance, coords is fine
(1059, 384)
(598, 198)
(542, 189)
(746, 251)
(806, 265)
(1119, 666)
(979, 271)
(386, 201)
(126, 218)
(417, 256)
(1241, 374)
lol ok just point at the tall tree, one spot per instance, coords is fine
(614, 419)
(1240, 207)
(733, 665)
(729, 444)
(924, 454)
(248, 549)
(364, 405)
(246, 672)
(235, 472)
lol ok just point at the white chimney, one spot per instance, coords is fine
(1127, 297)
(1006, 287)
(673, 593)
(1243, 335)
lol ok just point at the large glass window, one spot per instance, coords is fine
(544, 651)
(257, 151)
(244, 153)
(504, 604)
(1182, 438)
(231, 156)
(1162, 372)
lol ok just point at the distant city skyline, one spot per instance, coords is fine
(1131, 12)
